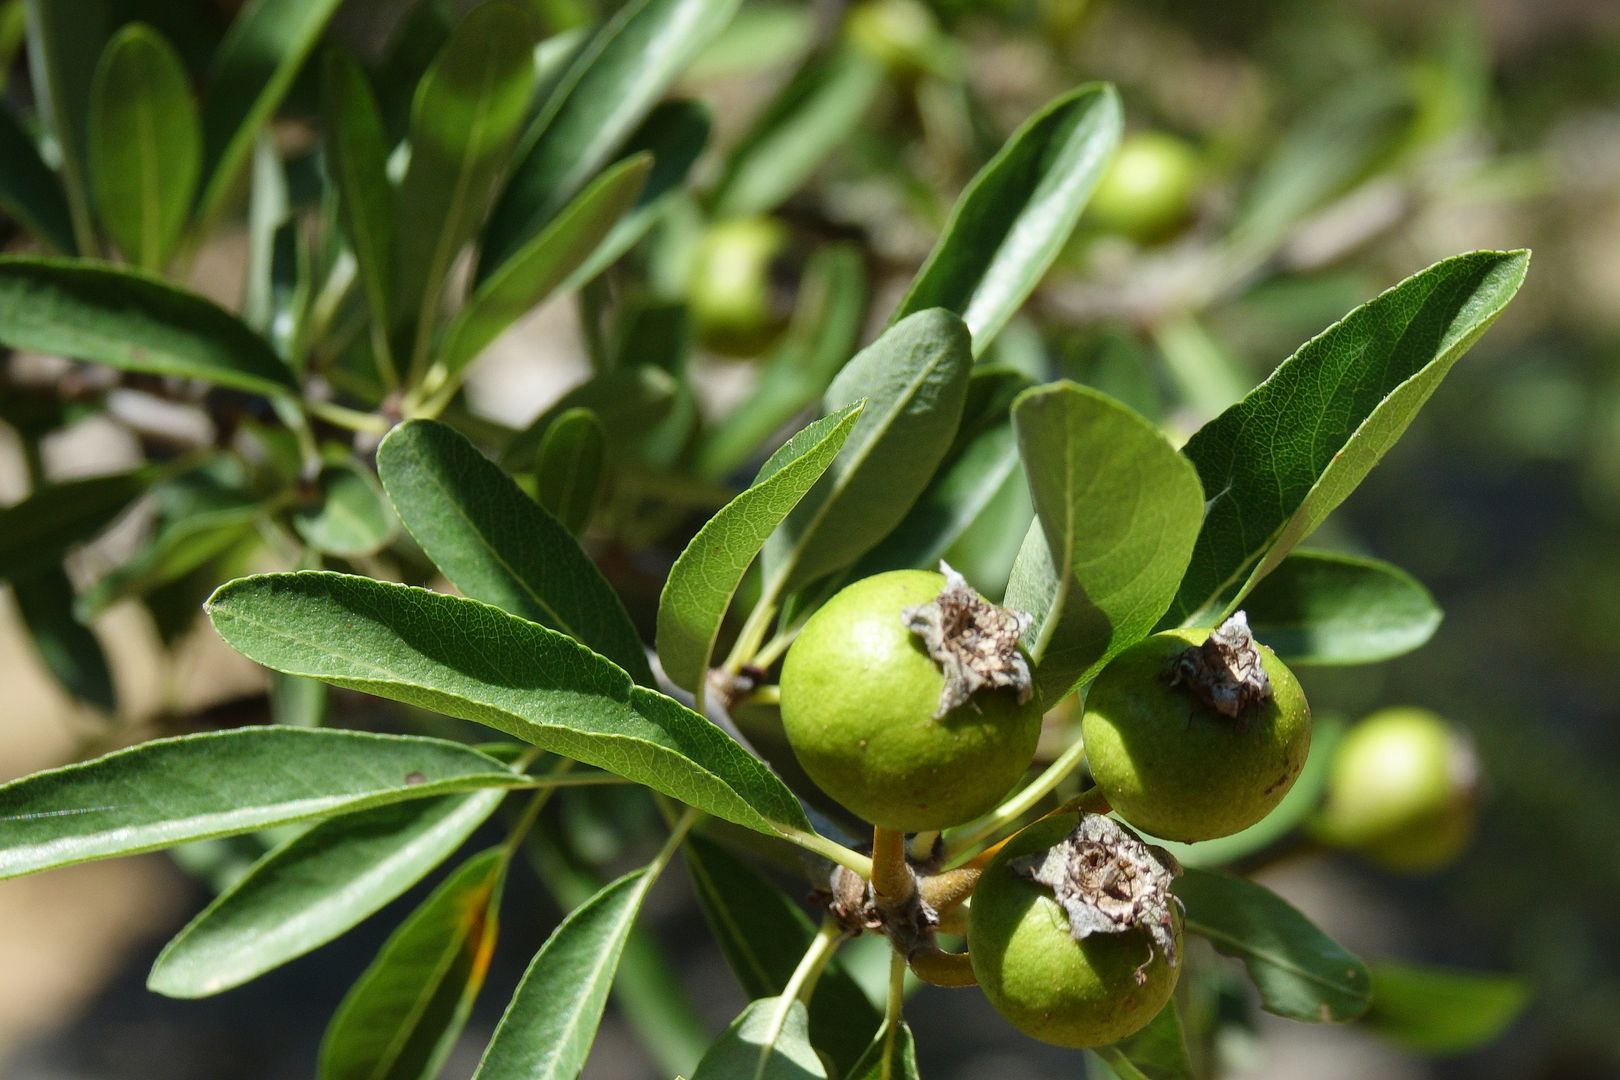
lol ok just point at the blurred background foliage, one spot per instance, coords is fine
(1285, 160)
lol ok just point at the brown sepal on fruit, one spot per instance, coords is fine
(1109, 882)
(1224, 673)
(974, 642)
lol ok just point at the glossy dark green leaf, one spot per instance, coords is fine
(763, 934)
(357, 159)
(313, 888)
(467, 659)
(548, 1028)
(1157, 1052)
(401, 1019)
(706, 576)
(235, 781)
(466, 116)
(252, 69)
(498, 545)
(914, 379)
(892, 1055)
(89, 311)
(627, 401)
(1320, 607)
(611, 84)
(1301, 973)
(1441, 1010)
(65, 38)
(145, 145)
(45, 600)
(530, 274)
(769, 1041)
(347, 515)
(817, 111)
(35, 531)
(1118, 511)
(570, 467)
(29, 191)
(1276, 464)
(1016, 215)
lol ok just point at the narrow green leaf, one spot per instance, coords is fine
(497, 545)
(313, 888)
(763, 934)
(235, 781)
(37, 530)
(611, 84)
(1301, 972)
(628, 401)
(1319, 607)
(268, 210)
(892, 1055)
(1157, 1052)
(914, 379)
(70, 651)
(65, 37)
(178, 548)
(1442, 1011)
(347, 516)
(470, 660)
(769, 1041)
(357, 158)
(129, 320)
(145, 145)
(29, 191)
(467, 113)
(253, 68)
(812, 116)
(704, 579)
(1118, 512)
(1276, 464)
(401, 1019)
(547, 1030)
(568, 471)
(542, 264)
(1017, 213)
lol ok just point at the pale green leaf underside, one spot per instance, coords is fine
(1320, 607)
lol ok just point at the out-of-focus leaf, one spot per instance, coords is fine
(29, 191)
(568, 471)
(706, 576)
(1118, 510)
(145, 145)
(1276, 464)
(65, 38)
(1157, 1052)
(1016, 215)
(1319, 607)
(128, 320)
(1301, 973)
(498, 545)
(236, 781)
(1439, 1010)
(892, 1055)
(294, 701)
(37, 530)
(357, 157)
(769, 1041)
(71, 652)
(467, 659)
(628, 401)
(347, 517)
(401, 1019)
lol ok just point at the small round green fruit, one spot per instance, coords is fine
(732, 289)
(901, 34)
(1173, 766)
(1148, 191)
(1050, 986)
(858, 696)
(1401, 790)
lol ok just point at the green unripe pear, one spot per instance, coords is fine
(901, 34)
(1147, 192)
(1401, 791)
(1176, 768)
(1050, 986)
(859, 693)
(732, 291)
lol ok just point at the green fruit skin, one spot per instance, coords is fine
(858, 698)
(1050, 986)
(1401, 791)
(1180, 771)
(1147, 193)
(731, 295)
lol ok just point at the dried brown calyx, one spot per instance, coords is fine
(910, 925)
(974, 642)
(1224, 673)
(1109, 882)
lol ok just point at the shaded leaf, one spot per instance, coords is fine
(29, 191)
(347, 517)
(1157, 1052)
(892, 1055)
(65, 37)
(357, 159)
(1318, 607)
(179, 547)
(568, 471)
(70, 651)
(628, 401)
(769, 1041)
(35, 531)
(1442, 1011)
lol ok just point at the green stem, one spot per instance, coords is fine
(802, 984)
(352, 419)
(829, 849)
(1022, 803)
(752, 633)
(531, 813)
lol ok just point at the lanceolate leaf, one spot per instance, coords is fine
(497, 545)
(64, 39)
(612, 83)
(628, 401)
(1301, 972)
(548, 1028)
(1157, 1052)
(179, 548)
(569, 469)
(892, 1055)
(313, 888)
(88, 311)
(1319, 607)
(35, 532)
(255, 65)
(704, 579)
(914, 379)
(1276, 463)
(401, 1019)
(769, 1041)
(467, 659)
(1118, 510)
(46, 603)
(1440, 1010)
(346, 515)
(357, 158)
(235, 781)
(1016, 215)
(145, 145)
(29, 191)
